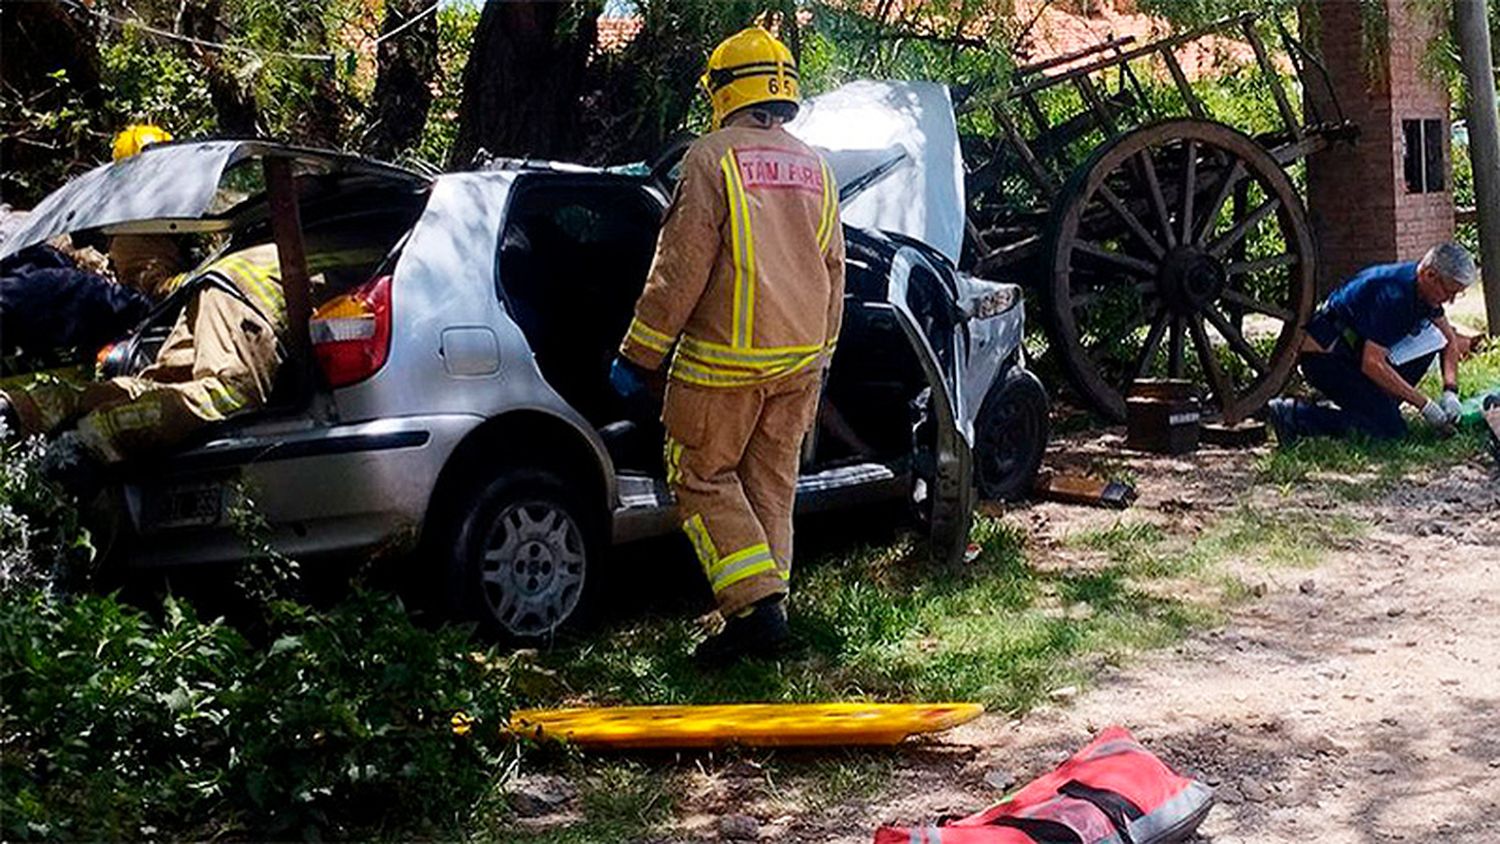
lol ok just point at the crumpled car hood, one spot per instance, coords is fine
(896, 143)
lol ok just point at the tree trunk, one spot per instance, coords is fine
(234, 105)
(402, 97)
(524, 78)
(1484, 143)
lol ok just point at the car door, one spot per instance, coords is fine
(928, 316)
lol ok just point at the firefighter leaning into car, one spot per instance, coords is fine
(748, 285)
(220, 357)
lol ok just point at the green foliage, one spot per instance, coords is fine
(147, 84)
(964, 43)
(118, 726)
(42, 544)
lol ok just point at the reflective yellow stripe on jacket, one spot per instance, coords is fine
(259, 282)
(829, 215)
(743, 242)
(716, 365)
(649, 337)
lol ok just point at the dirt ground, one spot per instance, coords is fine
(1358, 701)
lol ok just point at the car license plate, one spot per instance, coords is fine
(185, 505)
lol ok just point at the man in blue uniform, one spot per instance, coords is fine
(1346, 354)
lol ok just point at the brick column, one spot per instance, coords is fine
(1362, 209)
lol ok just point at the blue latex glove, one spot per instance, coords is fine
(626, 379)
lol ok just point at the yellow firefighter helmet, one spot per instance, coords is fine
(137, 137)
(750, 67)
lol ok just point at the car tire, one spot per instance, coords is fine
(519, 559)
(1010, 437)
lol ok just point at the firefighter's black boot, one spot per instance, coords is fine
(762, 632)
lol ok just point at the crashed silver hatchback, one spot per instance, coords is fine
(475, 422)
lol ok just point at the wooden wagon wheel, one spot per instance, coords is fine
(1180, 250)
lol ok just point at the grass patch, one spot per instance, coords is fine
(1360, 469)
(618, 800)
(881, 624)
(878, 622)
(1248, 533)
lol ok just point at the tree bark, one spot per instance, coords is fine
(234, 105)
(402, 97)
(1484, 142)
(524, 80)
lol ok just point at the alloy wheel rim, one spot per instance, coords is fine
(532, 567)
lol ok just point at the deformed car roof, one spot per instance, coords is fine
(171, 182)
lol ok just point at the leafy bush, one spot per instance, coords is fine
(117, 725)
(353, 723)
(42, 544)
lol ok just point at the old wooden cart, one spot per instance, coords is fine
(1163, 241)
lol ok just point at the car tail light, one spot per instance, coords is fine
(351, 334)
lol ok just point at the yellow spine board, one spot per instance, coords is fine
(750, 725)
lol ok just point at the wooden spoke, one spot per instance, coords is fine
(1120, 310)
(1236, 340)
(1189, 187)
(1218, 379)
(1135, 266)
(1243, 227)
(1241, 300)
(1260, 264)
(1118, 206)
(1085, 300)
(1153, 187)
(1176, 363)
(1148, 350)
(1231, 179)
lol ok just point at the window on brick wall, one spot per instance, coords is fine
(1422, 156)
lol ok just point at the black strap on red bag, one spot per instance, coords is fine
(1113, 791)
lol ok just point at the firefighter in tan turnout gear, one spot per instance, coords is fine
(746, 295)
(220, 358)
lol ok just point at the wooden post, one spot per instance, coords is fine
(286, 228)
(1484, 142)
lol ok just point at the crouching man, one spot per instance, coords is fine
(1346, 354)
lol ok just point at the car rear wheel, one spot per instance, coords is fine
(1010, 437)
(519, 562)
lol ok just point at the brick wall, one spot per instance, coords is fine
(1361, 210)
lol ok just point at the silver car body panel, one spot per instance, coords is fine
(321, 489)
(991, 341)
(169, 187)
(444, 287)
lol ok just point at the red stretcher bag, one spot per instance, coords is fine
(1112, 792)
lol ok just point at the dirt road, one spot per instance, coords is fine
(1358, 701)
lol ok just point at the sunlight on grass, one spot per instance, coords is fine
(883, 624)
(1360, 469)
(1248, 534)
